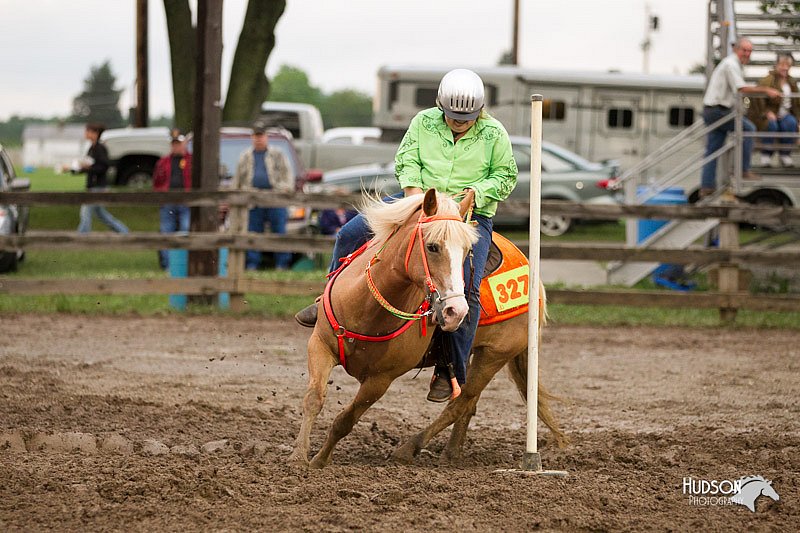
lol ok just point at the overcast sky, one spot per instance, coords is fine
(48, 46)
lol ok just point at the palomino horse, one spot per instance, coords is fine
(414, 257)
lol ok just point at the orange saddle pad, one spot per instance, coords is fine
(505, 286)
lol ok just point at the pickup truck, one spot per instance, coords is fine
(134, 151)
(317, 150)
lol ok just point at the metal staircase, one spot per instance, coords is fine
(728, 20)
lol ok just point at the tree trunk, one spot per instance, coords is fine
(182, 56)
(248, 84)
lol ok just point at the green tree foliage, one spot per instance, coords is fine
(787, 28)
(341, 108)
(99, 101)
(346, 108)
(291, 84)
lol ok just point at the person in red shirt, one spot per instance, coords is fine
(173, 173)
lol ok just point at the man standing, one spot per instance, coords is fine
(725, 83)
(173, 173)
(262, 168)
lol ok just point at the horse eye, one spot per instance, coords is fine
(433, 248)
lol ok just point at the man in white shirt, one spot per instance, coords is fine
(726, 82)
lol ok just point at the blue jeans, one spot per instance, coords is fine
(716, 139)
(90, 210)
(787, 124)
(172, 218)
(356, 232)
(259, 216)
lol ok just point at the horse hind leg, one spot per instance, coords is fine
(370, 391)
(320, 363)
(518, 372)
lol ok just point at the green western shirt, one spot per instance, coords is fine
(481, 160)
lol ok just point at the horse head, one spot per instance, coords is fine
(445, 241)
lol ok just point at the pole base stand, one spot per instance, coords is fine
(532, 466)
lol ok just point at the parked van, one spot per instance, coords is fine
(599, 115)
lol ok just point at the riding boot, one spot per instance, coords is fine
(307, 317)
(440, 389)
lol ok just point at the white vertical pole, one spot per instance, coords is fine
(532, 461)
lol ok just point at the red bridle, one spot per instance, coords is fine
(422, 311)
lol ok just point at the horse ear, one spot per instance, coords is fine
(429, 205)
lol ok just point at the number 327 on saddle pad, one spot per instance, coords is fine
(505, 286)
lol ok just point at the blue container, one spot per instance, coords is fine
(666, 275)
(671, 196)
(179, 268)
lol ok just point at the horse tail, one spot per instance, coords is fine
(518, 372)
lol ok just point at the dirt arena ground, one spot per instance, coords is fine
(176, 423)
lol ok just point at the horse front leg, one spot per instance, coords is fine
(320, 363)
(483, 368)
(371, 390)
(459, 433)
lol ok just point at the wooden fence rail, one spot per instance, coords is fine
(237, 284)
(738, 213)
(319, 244)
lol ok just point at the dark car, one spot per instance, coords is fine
(13, 218)
(565, 176)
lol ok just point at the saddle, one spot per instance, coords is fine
(505, 285)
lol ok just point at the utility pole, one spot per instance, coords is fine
(515, 38)
(207, 121)
(651, 25)
(141, 113)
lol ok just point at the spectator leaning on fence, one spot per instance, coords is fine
(262, 168)
(777, 114)
(173, 173)
(724, 85)
(95, 165)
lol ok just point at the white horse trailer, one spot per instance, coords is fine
(604, 115)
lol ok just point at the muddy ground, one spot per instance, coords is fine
(153, 424)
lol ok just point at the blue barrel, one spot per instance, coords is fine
(671, 196)
(667, 275)
(179, 268)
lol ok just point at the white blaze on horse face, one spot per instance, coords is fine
(456, 308)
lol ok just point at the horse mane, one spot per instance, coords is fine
(384, 217)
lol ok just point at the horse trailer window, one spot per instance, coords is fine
(426, 97)
(620, 118)
(553, 109)
(681, 117)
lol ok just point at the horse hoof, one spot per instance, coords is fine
(318, 462)
(297, 460)
(402, 456)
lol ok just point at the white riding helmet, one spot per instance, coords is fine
(460, 94)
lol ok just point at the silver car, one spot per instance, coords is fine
(13, 218)
(565, 176)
